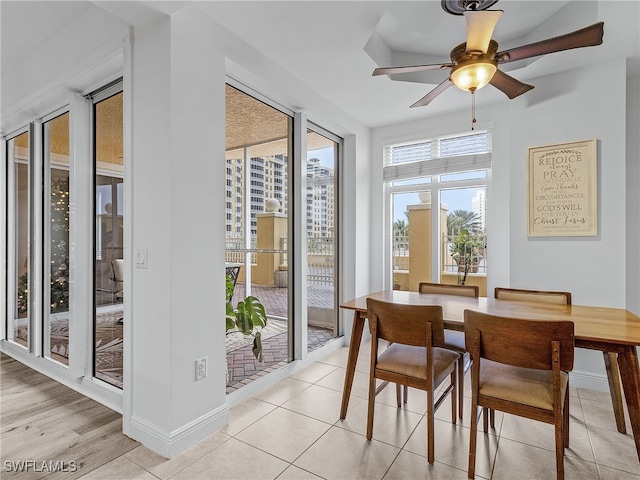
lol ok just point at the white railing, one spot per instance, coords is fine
(320, 260)
(400, 252)
(320, 257)
(477, 255)
(479, 263)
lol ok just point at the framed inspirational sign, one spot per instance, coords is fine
(562, 190)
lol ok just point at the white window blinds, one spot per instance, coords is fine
(450, 154)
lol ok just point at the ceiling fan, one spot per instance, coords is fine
(474, 63)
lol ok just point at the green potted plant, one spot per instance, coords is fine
(465, 250)
(248, 317)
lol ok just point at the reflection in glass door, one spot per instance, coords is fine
(108, 240)
(56, 251)
(322, 237)
(19, 246)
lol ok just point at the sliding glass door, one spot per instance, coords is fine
(19, 246)
(56, 218)
(281, 230)
(322, 236)
(109, 235)
(258, 170)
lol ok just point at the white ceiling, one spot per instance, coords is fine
(333, 46)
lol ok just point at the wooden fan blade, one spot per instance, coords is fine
(426, 100)
(585, 37)
(411, 68)
(509, 85)
(480, 26)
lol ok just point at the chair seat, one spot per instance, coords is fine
(525, 386)
(412, 361)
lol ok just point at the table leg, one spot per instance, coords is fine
(613, 376)
(352, 359)
(630, 375)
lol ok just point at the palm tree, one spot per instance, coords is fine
(459, 220)
(400, 227)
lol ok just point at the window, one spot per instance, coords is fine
(447, 175)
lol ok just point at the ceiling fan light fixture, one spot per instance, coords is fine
(473, 74)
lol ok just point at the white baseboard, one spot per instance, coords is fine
(170, 444)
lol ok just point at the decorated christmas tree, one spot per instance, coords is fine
(59, 252)
(59, 245)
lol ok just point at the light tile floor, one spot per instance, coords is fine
(292, 431)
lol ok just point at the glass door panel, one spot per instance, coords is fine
(257, 230)
(56, 251)
(411, 217)
(108, 241)
(19, 248)
(464, 239)
(322, 236)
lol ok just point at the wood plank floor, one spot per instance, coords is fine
(48, 425)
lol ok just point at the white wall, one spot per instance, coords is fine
(565, 107)
(633, 184)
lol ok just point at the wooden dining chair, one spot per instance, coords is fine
(610, 358)
(415, 357)
(454, 340)
(520, 367)
(562, 298)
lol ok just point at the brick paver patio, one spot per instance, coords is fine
(243, 366)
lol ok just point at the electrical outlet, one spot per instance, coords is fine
(201, 368)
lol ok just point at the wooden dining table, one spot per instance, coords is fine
(613, 331)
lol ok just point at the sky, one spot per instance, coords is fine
(455, 199)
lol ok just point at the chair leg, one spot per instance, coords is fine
(371, 406)
(406, 393)
(492, 418)
(485, 419)
(430, 427)
(471, 471)
(399, 395)
(461, 384)
(559, 430)
(565, 419)
(454, 397)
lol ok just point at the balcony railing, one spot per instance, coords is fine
(401, 254)
(320, 256)
(478, 263)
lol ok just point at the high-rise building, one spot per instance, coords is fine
(267, 179)
(479, 207)
(320, 199)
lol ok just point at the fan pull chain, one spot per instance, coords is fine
(473, 109)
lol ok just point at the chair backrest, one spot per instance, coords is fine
(233, 271)
(406, 324)
(443, 289)
(118, 273)
(519, 342)
(561, 298)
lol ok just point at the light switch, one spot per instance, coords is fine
(141, 258)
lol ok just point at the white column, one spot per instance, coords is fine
(177, 304)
